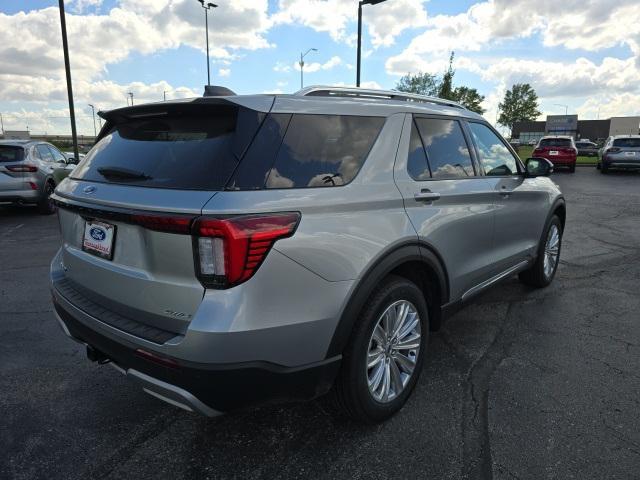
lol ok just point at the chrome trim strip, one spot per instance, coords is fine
(487, 283)
(171, 394)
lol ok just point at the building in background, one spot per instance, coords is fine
(15, 135)
(579, 129)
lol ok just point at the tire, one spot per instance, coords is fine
(604, 169)
(537, 276)
(353, 391)
(598, 165)
(46, 205)
(572, 168)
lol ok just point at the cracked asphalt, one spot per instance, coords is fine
(523, 384)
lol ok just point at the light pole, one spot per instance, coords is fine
(207, 7)
(566, 107)
(131, 95)
(93, 114)
(2, 123)
(302, 55)
(67, 68)
(360, 4)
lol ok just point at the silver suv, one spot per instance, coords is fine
(27, 173)
(228, 251)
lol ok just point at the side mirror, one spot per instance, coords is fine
(538, 167)
(72, 161)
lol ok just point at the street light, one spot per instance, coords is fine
(93, 114)
(207, 7)
(362, 2)
(566, 107)
(302, 55)
(67, 69)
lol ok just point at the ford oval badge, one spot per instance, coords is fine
(89, 190)
(97, 234)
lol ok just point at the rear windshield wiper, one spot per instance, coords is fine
(122, 173)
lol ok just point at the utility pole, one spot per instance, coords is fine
(131, 95)
(2, 123)
(301, 63)
(207, 7)
(164, 95)
(67, 68)
(360, 4)
(93, 114)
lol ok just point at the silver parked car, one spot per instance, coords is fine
(620, 151)
(228, 251)
(27, 173)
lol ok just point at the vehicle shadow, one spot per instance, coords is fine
(7, 211)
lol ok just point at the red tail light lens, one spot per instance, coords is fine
(162, 223)
(230, 250)
(22, 168)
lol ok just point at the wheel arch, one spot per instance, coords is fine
(416, 261)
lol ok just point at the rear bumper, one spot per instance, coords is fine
(621, 162)
(562, 161)
(206, 389)
(27, 196)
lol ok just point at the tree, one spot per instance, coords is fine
(469, 97)
(421, 83)
(519, 104)
(428, 84)
(446, 85)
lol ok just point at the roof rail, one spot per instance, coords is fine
(324, 91)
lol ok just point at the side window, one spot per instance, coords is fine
(45, 153)
(57, 156)
(417, 165)
(495, 157)
(447, 150)
(323, 150)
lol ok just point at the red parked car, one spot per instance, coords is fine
(559, 150)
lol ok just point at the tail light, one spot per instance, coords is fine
(613, 150)
(22, 168)
(230, 250)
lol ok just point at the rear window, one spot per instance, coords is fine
(627, 142)
(10, 153)
(190, 152)
(555, 142)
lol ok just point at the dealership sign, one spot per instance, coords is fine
(561, 123)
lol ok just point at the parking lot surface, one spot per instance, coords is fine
(523, 383)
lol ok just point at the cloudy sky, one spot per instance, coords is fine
(584, 54)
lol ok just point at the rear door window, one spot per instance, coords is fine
(323, 150)
(417, 165)
(10, 153)
(57, 156)
(190, 151)
(447, 150)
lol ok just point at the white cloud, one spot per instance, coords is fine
(330, 64)
(224, 72)
(281, 67)
(384, 22)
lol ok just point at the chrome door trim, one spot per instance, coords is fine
(487, 283)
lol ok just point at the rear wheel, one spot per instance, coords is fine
(383, 360)
(572, 168)
(543, 271)
(46, 205)
(604, 168)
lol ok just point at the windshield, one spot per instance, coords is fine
(627, 142)
(189, 152)
(555, 142)
(11, 153)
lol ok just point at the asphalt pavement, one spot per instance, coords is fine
(524, 384)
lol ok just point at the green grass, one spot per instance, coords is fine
(525, 152)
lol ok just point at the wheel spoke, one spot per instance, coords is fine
(386, 383)
(379, 335)
(402, 311)
(396, 378)
(409, 326)
(405, 362)
(374, 357)
(376, 378)
(410, 342)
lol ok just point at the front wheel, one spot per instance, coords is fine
(544, 269)
(383, 360)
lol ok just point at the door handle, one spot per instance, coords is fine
(426, 195)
